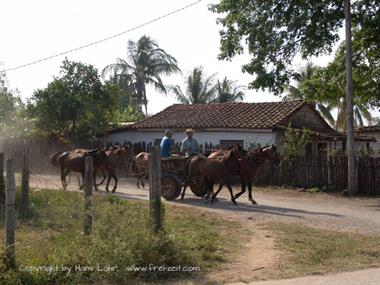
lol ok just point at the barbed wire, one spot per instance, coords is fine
(102, 40)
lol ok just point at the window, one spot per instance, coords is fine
(226, 144)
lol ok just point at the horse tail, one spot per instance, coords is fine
(54, 158)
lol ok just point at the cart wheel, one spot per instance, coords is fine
(170, 186)
(199, 189)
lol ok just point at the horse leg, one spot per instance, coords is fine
(250, 193)
(217, 192)
(63, 177)
(243, 187)
(82, 186)
(104, 178)
(231, 192)
(209, 188)
(115, 186)
(138, 182)
(142, 180)
(187, 183)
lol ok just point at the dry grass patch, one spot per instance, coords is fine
(315, 251)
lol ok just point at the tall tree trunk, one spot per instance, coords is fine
(349, 109)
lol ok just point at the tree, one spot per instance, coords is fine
(199, 90)
(294, 142)
(12, 119)
(327, 84)
(127, 108)
(306, 74)
(75, 104)
(276, 31)
(228, 91)
(145, 64)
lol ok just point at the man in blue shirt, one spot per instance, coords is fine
(189, 145)
(166, 144)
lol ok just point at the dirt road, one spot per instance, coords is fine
(360, 215)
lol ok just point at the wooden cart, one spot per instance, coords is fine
(172, 178)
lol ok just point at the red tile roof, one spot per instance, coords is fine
(222, 115)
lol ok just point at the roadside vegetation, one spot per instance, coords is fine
(308, 251)
(120, 242)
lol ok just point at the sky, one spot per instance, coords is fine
(32, 30)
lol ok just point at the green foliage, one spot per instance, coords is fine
(129, 114)
(12, 111)
(294, 142)
(121, 237)
(75, 104)
(276, 31)
(228, 91)
(328, 84)
(203, 90)
(145, 64)
(199, 90)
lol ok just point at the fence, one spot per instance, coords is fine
(322, 171)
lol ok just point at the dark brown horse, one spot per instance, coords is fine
(115, 156)
(222, 168)
(74, 161)
(248, 167)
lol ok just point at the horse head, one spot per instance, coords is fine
(239, 151)
(266, 153)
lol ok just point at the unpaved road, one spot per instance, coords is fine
(360, 215)
(363, 277)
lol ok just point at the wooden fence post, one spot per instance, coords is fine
(329, 172)
(2, 183)
(24, 204)
(10, 214)
(88, 185)
(155, 189)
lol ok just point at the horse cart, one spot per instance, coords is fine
(172, 178)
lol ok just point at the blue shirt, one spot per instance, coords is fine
(166, 144)
(189, 147)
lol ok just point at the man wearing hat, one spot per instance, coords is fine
(166, 144)
(189, 145)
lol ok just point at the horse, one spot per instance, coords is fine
(74, 161)
(250, 165)
(139, 167)
(222, 168)
(115, 154)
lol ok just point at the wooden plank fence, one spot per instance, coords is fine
(322, 171)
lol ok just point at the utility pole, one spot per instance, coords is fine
(352, 187)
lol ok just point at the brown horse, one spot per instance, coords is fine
(115, 156)
(222, 168)
(74, 161)
(139, 167)
(250, 165)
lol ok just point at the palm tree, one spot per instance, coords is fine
(294, 93)
(199, 90)
(228, 91)
(360, 112)
(145, 64)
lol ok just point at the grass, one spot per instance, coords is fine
(120, 241)
(314, 251)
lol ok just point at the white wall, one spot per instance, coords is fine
(249, 137)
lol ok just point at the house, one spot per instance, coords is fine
(226, 124)
(372, 131)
